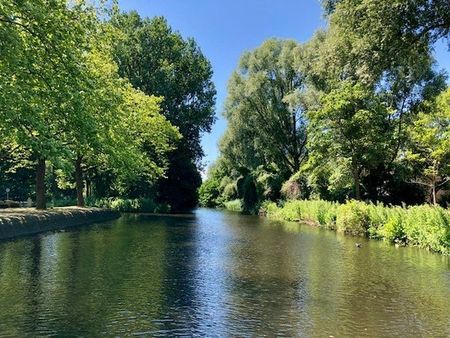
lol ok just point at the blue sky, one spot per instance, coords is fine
(225, 29)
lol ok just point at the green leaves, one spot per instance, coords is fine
(63, 99)
(160, 62)
(430, 144)
(265, 108)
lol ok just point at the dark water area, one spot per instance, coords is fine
(215, 273)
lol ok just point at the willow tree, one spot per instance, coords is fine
(265, 108)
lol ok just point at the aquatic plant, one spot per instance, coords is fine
(424, 226)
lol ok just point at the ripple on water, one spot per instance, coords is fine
(218, 274)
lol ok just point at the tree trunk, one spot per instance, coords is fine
(41, 203)
(433, 193)
(88, 188)
(79, 182)
(357, 184)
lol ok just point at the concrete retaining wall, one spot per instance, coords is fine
(20, 222)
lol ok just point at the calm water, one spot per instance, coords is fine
(218, 274)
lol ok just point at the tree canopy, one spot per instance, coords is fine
(367, 89)
(63, 102)
(160, 62)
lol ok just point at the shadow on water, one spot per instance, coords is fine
(218, 273)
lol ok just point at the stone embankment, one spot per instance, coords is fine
(26, 221)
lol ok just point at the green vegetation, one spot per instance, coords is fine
(234, 205)
(130, 205)
(79, 118)
(360, 111)
(423, 226)
(160, 62)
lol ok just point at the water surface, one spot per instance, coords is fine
(218, 274)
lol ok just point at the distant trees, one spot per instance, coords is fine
(368, 92)
(160, 62)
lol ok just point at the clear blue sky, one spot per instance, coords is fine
(224, 29)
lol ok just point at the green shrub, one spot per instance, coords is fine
(234, 205)
(129, 205)
(208, 193)
(65, 202)
(162, 209)
(392, 228)
(353, 218)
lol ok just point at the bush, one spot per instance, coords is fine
(353, 218)
(235, 205)
(64, 202)
(424, 226)
(129, 205)
(208, 193)
(293, 189)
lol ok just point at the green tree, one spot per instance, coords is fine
(160, 62)
(266, 107)
(364, 46)
(42, 63)
(350, 128)
(65, 103)
(430, 145)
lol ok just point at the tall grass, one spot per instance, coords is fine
(423, 226)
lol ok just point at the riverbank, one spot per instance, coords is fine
(25, 221)
(423, 226)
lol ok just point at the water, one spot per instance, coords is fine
(218, 274)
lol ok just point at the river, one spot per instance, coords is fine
(214, 273)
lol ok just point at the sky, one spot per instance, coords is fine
(226, 29)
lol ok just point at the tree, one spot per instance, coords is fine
(42, 53)
(121, 128)
(430, 145)
(65, 103)
(364, 45)
(350, 127)
(160, 62)
(389, 27)
(266, 107)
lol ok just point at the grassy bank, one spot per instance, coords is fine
(423, 226)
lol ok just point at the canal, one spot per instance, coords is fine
(214, 273)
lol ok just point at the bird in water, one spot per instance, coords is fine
(358, 245)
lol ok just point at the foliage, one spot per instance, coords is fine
(160, 62)
(130, 205)
(360, 89)
(430, 145)
(209, 193)
(265, 109)
(380, 35)
(64, 104)
(234, 205)
(423, 226)
(350, 127)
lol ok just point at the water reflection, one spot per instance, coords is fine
(216, 273)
